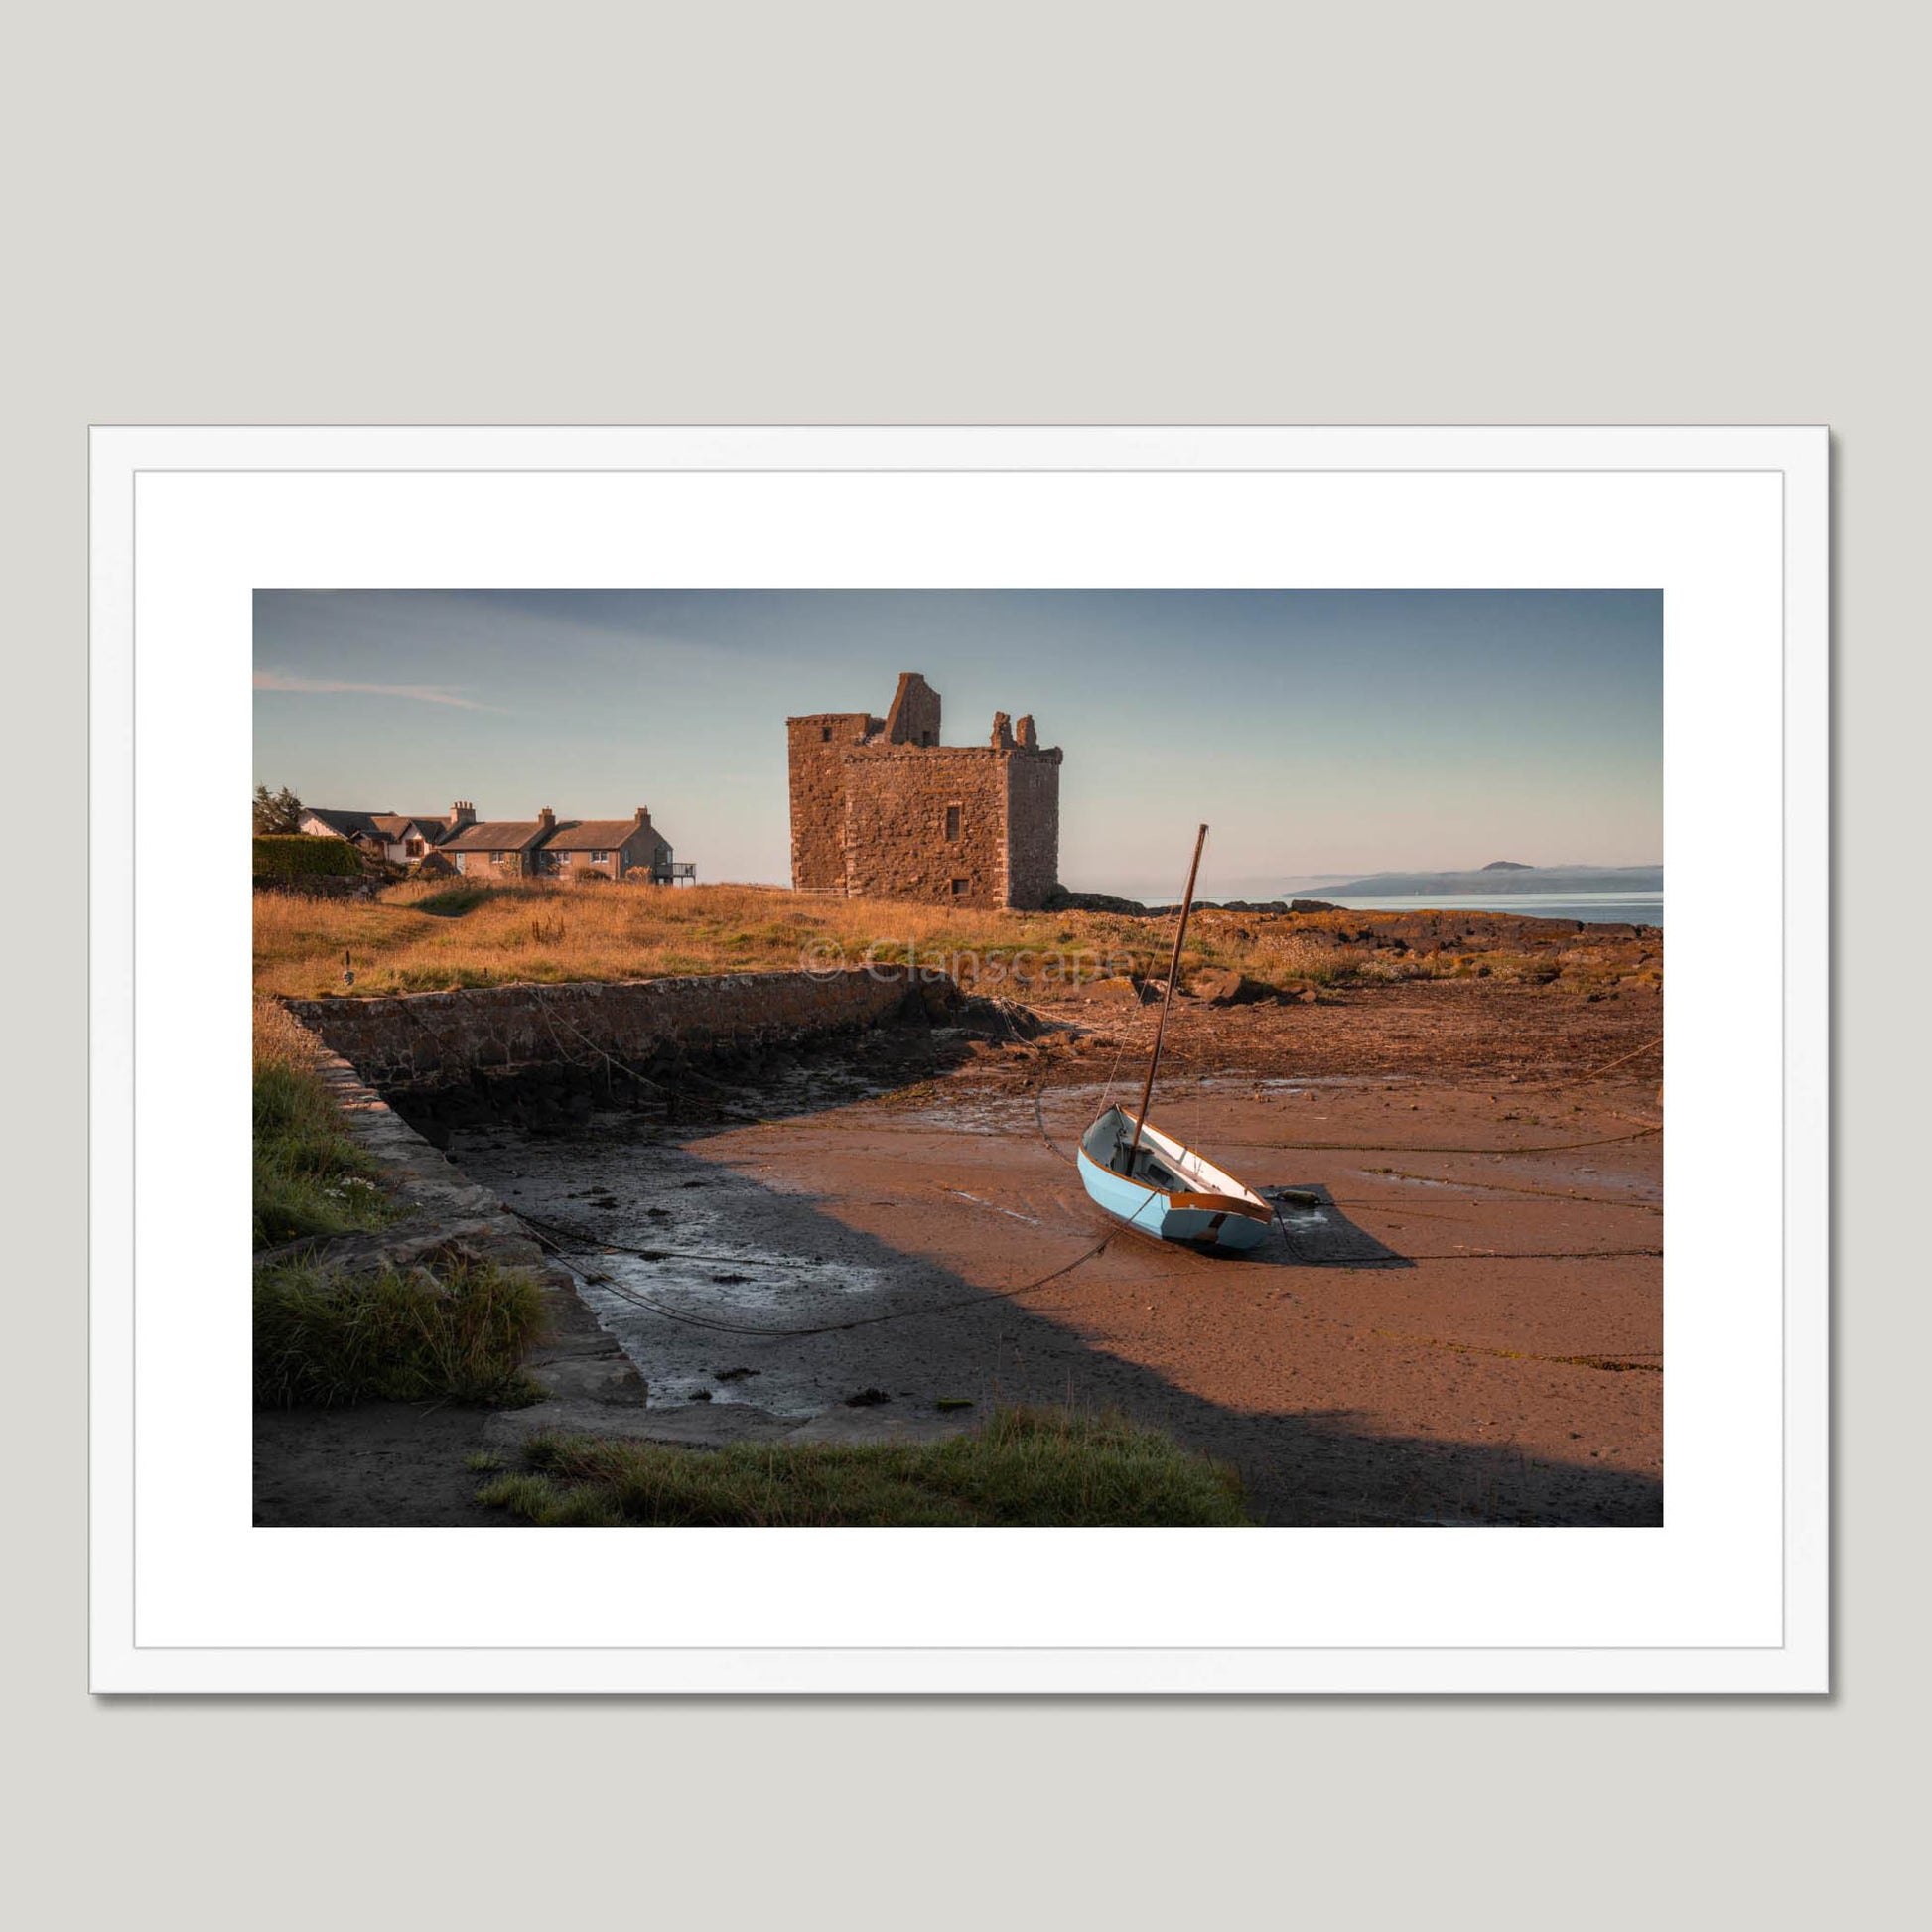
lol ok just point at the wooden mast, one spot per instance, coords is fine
(1167, 1000)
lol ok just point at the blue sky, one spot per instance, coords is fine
(1316, 731)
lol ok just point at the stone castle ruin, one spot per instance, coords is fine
(880, 809)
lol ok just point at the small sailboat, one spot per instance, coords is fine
(1148, 1178)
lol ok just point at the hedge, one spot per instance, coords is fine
(302, 855)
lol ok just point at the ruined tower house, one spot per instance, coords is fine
(880, 809)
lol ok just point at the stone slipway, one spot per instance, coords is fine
(590, 1386)
(578, 1361)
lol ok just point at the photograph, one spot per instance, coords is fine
(1113, 1058)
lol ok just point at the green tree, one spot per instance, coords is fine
(277, 811)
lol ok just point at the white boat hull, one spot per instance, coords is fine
(1173, 1193)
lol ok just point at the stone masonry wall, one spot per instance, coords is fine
(418, 1045)
(914, 715)
(1033, 827)
(880, 809)
(898, 804)
(817, 748)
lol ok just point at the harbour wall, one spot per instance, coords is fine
(503, 1047)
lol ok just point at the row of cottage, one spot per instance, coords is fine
(525, 848)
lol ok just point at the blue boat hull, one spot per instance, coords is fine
(1166, 1217)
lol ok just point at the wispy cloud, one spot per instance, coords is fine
(421, 693)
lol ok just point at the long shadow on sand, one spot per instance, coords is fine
(915, 1331)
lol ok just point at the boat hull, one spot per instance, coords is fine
(1201, 1220)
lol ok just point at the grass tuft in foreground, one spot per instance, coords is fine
(403, 1335)
(1028, 1467)
(311, 1180)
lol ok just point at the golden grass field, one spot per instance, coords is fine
(429, 936)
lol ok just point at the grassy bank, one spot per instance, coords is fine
(311, 1180)
(420, 937)
(1028, 1467)
(459, 1333)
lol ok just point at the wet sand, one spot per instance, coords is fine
(1464, 1327)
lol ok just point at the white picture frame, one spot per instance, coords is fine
(1729, 1593)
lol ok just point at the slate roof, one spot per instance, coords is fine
(350, 825)
(377, 825)
(497, 835)
(597, 834)
(489, 835)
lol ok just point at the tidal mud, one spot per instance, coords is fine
(1462, 1321)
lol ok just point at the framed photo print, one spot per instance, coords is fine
(959, 1060)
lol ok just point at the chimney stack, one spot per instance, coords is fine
(1001, 732)
(462, 813)
(642, 815)
(547, 819)
(1028, 737)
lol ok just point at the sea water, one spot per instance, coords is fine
(1619, 908)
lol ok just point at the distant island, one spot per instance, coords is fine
(1505, 875)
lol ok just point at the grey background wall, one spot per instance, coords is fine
(1005, 213)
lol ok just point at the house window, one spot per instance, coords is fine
(600, 857)
(960, 888)
(415, 847)
(952, 822)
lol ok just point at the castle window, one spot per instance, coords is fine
(825, 734)
(960, 888)
(925, 738)
(952, 821)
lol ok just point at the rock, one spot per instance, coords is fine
(1059, 899)
(1224, 987)
(939, 996)
(867, 1399)
(1119, 992)
(1311, 906)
